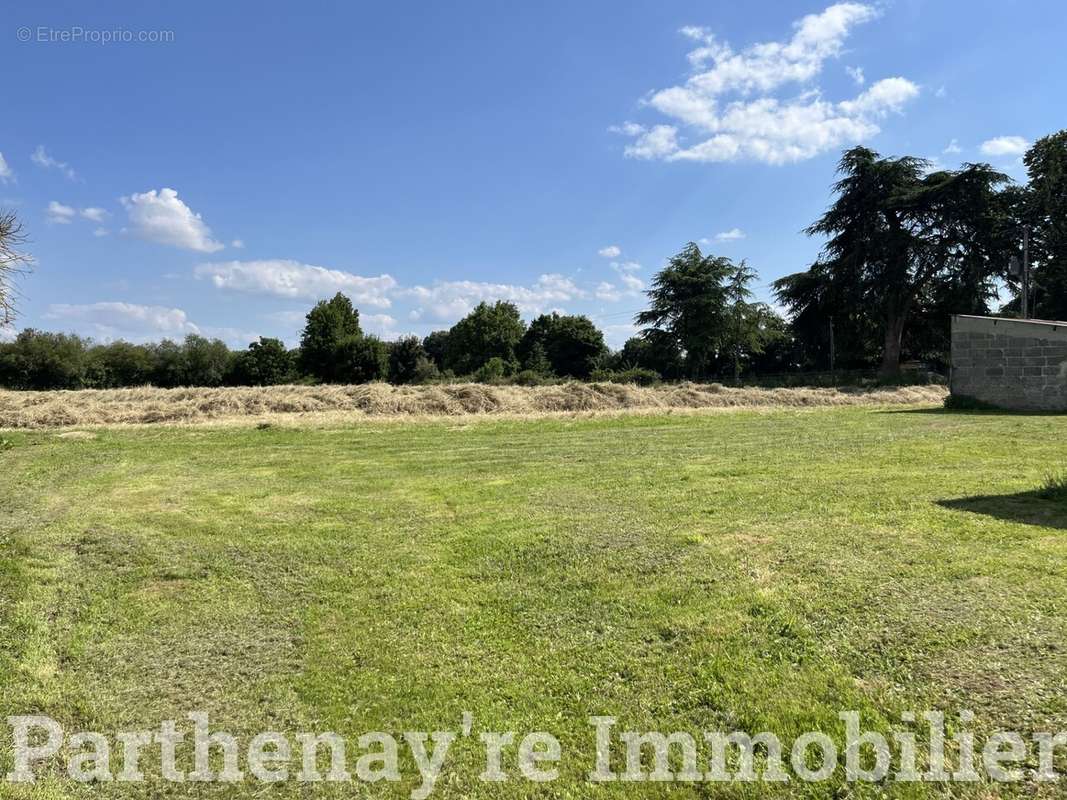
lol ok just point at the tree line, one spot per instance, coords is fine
(906, 246)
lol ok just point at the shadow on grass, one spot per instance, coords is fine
(1030, 508)
(972, 412)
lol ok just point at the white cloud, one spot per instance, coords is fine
(238, 244)
(659, 142)
(115, 319)
(608, 292)
(627, 129)
(63, 214)
(7, 333)
(856, 73)
(449, 300)
(292, 317)
(286, 278)
(59, 213)
(1005, 146)
(6, 175)
(41, 158)
(728, 103)
(731, 235)
(234, 337)
(885, 96)
(611, 251)
(94, 214)
(615, 334)
(632, 283)
(160, 216)
(953, 147)
(379, 324)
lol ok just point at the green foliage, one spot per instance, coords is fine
(329, 324)
(361, 359)
(894, 231)
(488, 332)
(426, 371)
(635, 375)
(436, 347)
(205, 362)
(653, 350)
(119, 364)
(567, 345)
(689, 302)
(752, 327)
(529, 377)
(168, 368)
(493, 371)
(265, 363)
(535, 359)
(1046, 212)
(41, 360)
(405, 357)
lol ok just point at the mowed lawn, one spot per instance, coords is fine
(736, 570)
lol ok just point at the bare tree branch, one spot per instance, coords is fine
(13, 262)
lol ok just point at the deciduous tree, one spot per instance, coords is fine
(329, 323)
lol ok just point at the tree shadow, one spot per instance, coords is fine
(1036, 507)
(971, 412)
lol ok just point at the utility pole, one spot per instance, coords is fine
(833, 353)
(1026, 273)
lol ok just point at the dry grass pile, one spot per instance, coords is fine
(183, 406)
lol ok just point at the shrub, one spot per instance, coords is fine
(426, 371)
(635, 375)
(492, 371)
(361, 359)
(405, 355)
(264, 363)
(640, 376)
(529, 377)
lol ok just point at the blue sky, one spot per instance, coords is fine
(248, 159)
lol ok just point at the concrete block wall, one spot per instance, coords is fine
(1011, 363)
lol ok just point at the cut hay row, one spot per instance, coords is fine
(149, 405)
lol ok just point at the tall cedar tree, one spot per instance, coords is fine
(689, 302)
(894, 229)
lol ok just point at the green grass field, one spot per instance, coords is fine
(743, 570)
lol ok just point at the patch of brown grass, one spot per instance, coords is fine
(149, 405)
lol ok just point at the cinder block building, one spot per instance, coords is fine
(1011, 363)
